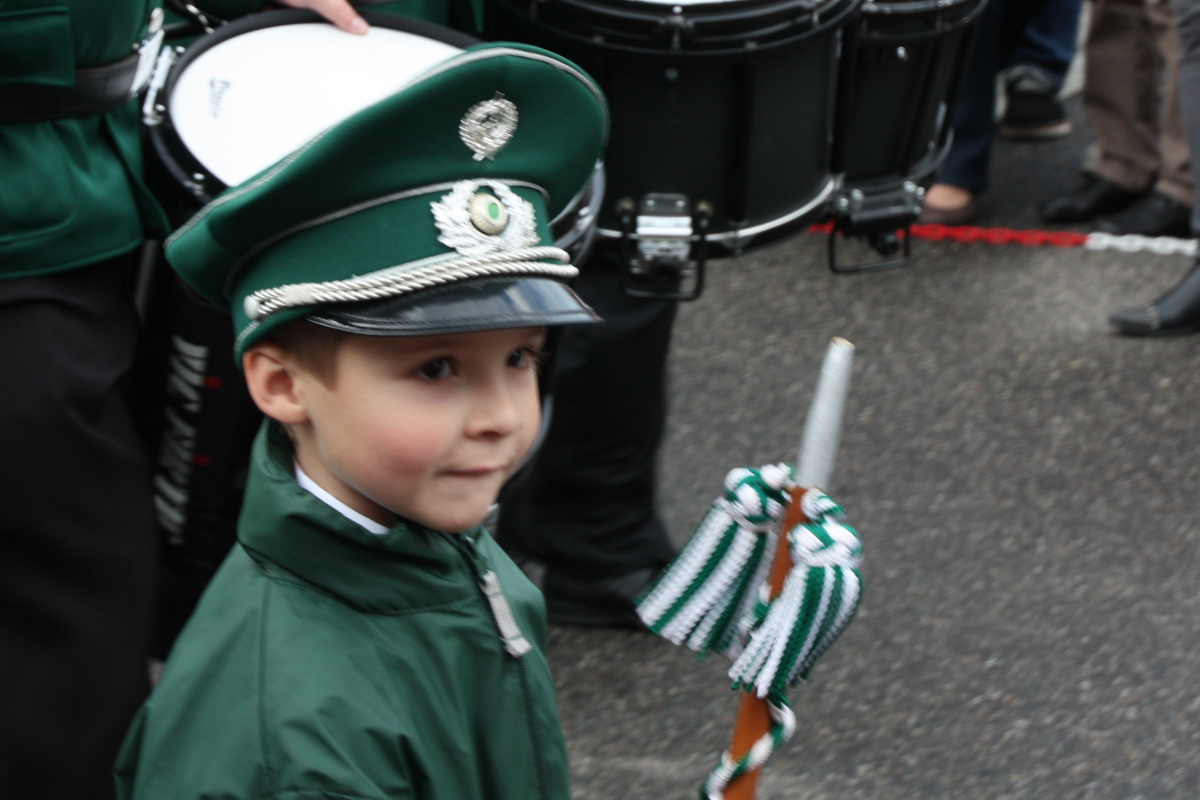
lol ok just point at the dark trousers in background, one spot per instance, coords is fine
(77, 535)
(586, 507)
(1010, 32)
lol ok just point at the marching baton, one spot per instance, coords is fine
(818, 452)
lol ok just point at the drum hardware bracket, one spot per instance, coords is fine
(207, 22)
(671, 246)
(678, 24)
(153, 111)
(876, 216)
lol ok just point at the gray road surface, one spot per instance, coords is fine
(1026, 485)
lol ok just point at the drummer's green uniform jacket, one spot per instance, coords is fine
(70, 190)
(326, 661)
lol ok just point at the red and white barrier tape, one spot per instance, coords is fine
(1129, 243)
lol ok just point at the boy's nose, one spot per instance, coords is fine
(497, 410)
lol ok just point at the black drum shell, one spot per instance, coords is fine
(906, 62)
(746, 128)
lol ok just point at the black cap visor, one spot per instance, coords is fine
(483, 304)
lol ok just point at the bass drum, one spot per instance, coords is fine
(903, 68)
(722, 118)
(217, 113)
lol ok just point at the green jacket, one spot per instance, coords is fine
(70, 191)
(325, 661)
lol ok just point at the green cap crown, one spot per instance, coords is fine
(455, 176)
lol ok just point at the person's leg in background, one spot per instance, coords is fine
(77, 533)
(1037, 70)
(964, 175)
(1122, 103)
(1164, 211)
(586, 508)
(1178, 310)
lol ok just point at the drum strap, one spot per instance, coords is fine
(96, 90)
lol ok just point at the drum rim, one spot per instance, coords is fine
(884, 9)
(290, 16)
(830, 16)
(162, 133)
(658, 8)
(874, 16)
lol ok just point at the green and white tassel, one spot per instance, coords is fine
(705, 593)
(788, 634)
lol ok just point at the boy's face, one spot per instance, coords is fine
(427, 427)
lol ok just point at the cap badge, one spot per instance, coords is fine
(488, 214)
(488, 126)
(477, 223)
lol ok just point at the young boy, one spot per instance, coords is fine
(391, 284)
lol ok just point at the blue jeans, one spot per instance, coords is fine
(1047, 42)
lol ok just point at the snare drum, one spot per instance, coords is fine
(242, 98)
(903, 68)
(721, 116)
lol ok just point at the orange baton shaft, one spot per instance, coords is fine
(754, 716)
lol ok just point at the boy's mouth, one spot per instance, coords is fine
(475, 472)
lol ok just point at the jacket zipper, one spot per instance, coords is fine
(490, 587)
(535, 733)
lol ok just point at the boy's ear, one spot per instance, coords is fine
(271, 379)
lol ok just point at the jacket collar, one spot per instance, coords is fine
(406, 570)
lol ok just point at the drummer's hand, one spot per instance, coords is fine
(339, 12)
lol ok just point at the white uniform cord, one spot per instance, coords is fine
(393, 281)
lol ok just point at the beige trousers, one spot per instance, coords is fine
(1131, 98)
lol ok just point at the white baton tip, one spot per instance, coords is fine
(818, 451)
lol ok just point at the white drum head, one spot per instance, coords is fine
(247, 102)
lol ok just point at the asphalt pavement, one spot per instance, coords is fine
(1025, 483)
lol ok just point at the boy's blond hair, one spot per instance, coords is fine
(313, 347)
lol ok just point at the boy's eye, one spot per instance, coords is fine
(436, 369)
(523, 357)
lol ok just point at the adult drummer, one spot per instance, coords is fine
(77, 560)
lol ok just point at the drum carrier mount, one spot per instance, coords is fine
(664, 243)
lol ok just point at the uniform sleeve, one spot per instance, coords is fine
(127, 759)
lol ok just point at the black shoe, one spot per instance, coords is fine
(1033, 111)
(598, 603)
(1091, 198)
(1175, 313)
(1154, 215)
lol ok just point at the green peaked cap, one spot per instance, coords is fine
(517, 125)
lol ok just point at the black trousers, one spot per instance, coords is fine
(586, 507)
(77, 541)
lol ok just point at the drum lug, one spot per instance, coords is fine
(678, 25)
(671, 246)
(207, 22)
(152, 110)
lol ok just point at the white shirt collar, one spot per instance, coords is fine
(337, 505)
